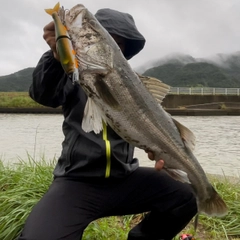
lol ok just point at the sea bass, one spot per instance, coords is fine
(131, 105)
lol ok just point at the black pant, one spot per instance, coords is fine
(69, 206)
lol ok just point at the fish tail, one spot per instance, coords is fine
(213, 206)
(56, 8)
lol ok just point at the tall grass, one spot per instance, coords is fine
(23, 184)
(229, 226)
(17, 99)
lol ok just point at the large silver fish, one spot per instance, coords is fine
(131, 105)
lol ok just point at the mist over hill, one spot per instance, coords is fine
(177, 70)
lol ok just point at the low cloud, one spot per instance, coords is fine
(198, 28)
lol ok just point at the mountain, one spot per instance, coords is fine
(185, 71)
(177, 70)
(16, 82)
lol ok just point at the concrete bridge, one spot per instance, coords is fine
(205, 97)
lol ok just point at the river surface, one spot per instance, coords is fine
(40, 135)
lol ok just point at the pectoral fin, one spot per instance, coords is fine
(105, 93)
(92, 118)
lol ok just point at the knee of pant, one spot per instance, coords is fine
(187, 193)
(192, 204)
(188, 203)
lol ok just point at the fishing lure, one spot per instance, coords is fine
(67, 54)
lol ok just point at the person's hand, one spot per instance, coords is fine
(159, 163)
(49, 37)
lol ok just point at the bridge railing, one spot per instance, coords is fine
(204, 91)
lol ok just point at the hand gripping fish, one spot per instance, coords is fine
(131, 105)
(64, 47)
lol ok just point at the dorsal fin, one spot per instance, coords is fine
(157, 88)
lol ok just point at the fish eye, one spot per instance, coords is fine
(93, 24)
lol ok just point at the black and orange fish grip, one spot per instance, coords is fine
(186, 237)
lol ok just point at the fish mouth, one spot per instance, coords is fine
(76, 15)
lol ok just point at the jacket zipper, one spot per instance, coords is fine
(108, 151)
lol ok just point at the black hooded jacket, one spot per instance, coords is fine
(86, 154)
(122, 24)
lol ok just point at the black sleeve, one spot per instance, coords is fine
(49, 82)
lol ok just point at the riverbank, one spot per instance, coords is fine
(23, 184)
(172, 111)
(181, 105)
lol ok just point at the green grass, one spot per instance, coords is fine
(17, 100)
(23, 184)
(228, 226)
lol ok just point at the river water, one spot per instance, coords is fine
(40, 135)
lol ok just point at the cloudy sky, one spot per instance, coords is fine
(200, 28)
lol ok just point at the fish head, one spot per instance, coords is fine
(94, 46)
(78, 18)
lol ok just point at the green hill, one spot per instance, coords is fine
(16, 82)
(193, 75)
(223, 71)
(176, 70)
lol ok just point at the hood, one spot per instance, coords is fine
(122, 24)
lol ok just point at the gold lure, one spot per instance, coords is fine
(67, 54)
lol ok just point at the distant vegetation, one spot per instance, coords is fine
(17, 100)
(16, 82)
(176, 70)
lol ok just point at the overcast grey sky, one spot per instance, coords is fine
(200, 28)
